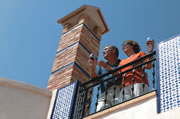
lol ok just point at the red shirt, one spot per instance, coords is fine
(138, 71)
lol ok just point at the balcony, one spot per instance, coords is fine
(91, 90)
(80, 100)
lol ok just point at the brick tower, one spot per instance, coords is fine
(81, 35)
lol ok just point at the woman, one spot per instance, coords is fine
(132, 50)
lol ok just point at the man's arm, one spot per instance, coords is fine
(105, 65)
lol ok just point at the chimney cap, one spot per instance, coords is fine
(92, 12)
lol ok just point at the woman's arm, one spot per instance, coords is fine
(150, 46)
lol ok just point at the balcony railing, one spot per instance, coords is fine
(92, 88)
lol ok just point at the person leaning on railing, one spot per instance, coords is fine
(110, 53)
(132, 50)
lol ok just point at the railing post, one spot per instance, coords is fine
(123, 88)
(133, 79)
(105, 101)
(114, 95)
(153, 74)
(143, 76)
(97, 96)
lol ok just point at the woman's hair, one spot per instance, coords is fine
(135, 45)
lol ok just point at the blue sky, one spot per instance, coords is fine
(29, 33)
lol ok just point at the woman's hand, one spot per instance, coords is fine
(150, 45)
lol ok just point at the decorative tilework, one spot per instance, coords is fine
(79, 106)
(168, 74)
(64, 102)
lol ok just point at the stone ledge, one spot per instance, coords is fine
(26, 87)
(122, 105)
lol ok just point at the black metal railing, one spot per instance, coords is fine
(93, 87)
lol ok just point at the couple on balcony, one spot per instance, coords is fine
(122, 85)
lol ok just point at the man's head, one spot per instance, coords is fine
(110, 51)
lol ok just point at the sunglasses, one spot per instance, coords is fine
(126, 44)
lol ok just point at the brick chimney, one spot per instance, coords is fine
(81, 35)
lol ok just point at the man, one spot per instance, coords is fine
(111, 54)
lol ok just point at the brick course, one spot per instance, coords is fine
(64, 58)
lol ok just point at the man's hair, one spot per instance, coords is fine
(114, 48)
(134, 44)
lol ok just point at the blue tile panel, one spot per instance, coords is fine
(79, 108)
(168, 74)
(64, 102)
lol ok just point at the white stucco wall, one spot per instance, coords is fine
(146, 109)
(22, 101)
